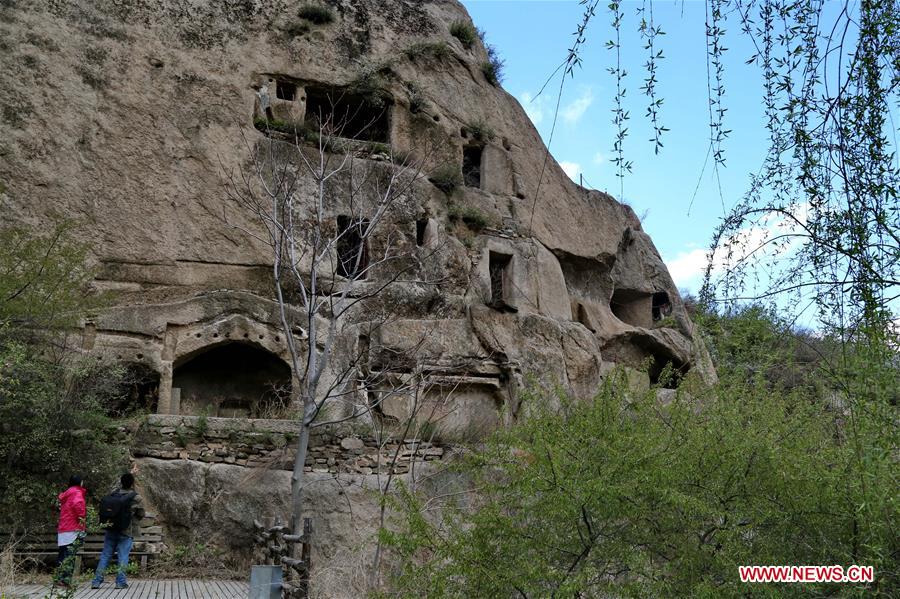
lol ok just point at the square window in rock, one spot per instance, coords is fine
(285, 90)
(347, 115)
(353, 255)
(499, 269)
(472, 165)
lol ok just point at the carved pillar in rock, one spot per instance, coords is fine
(165, 389)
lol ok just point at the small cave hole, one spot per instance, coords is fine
(353, 255)
(284, 90)
(498, 267)
(421, 230)
(666, 372)
(471, 166)
(661, 306)
(137, 391)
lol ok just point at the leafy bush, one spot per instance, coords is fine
(493, 66)
(465, 32)
(470, 215)
(480, 131)
(620, 496)
(446, 177)
(316, 13)
(371, 82)
(44, 279)
(438, 50)
(52, 425)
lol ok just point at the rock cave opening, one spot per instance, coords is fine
(666, 372)
(632, 307)
(348, 115)
(285, 90)
(471, 165)
(353, 253)
(138, 391)
(421, 230)
(233, 380)
(498, 268)
(661, 306)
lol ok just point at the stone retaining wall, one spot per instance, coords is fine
(270, 444)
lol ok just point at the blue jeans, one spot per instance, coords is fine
(114, 542)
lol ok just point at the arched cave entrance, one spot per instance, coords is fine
(233, 380)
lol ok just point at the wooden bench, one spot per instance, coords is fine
(41, 547)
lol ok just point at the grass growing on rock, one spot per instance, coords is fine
(480, 131)
(436, 50)
(446, 177)
(471, 216)
(465, 32)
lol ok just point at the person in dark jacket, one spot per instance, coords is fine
(70, 532)
(119, 541)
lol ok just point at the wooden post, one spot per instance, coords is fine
(306, 556)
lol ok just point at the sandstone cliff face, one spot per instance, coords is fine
(125, 116)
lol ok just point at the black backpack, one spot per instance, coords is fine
(115, 510)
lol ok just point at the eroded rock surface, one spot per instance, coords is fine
(126, 117)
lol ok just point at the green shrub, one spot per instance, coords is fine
(493, 66)
(465, 32)
(480, 131)
(316, 13)
(623, 497)
(264, 124)
(446, 177)
(371, 83)
(437, 50)
(52, 425)
(471, 216)
(202, 424)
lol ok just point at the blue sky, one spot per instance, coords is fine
(533, 38)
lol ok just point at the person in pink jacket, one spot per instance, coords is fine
(70, 532)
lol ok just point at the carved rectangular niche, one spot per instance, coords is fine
(500, 271)
(346, 114)
(471, 166)
(353, 254)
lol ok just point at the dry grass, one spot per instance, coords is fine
(345, 576)
(15, 571)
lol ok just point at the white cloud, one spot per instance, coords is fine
(599, 158)
(687, 268)
(573, 169)
(573, 111)
(534, 107)
(765, 243)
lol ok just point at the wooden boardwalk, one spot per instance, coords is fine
(145, 589)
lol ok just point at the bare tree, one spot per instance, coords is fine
(325, 216)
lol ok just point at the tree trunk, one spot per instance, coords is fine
(298, 477)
